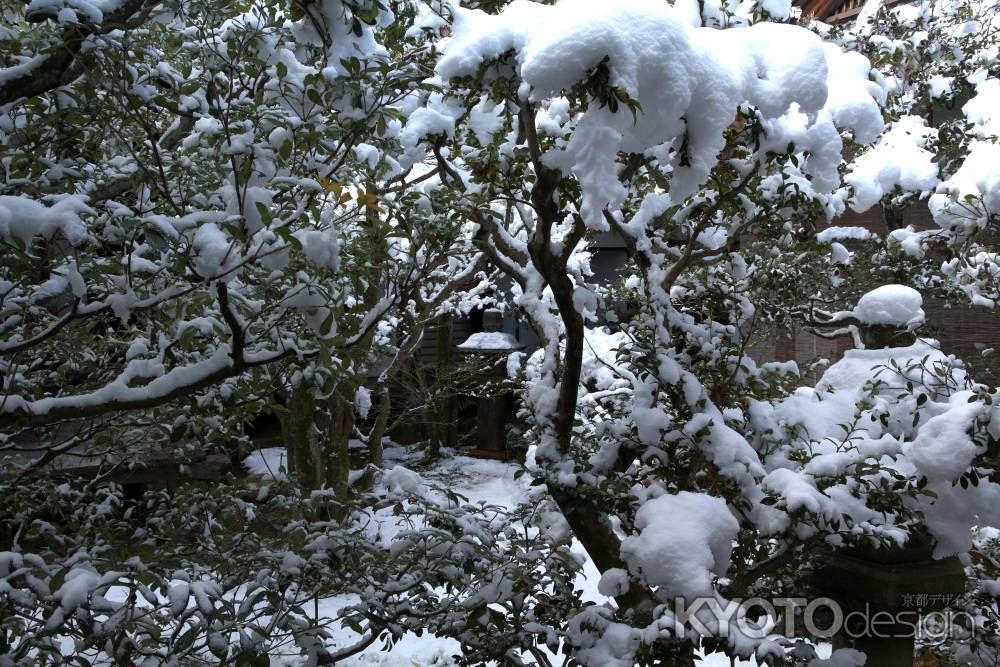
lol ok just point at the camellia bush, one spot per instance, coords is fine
(214, 210)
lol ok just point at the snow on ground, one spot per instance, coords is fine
(268, 462)
(409, 651)
(479, 480)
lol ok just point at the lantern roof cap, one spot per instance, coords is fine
(491, 341)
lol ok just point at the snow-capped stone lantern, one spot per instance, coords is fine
(491, 345)
(888, 315)
(891, 587)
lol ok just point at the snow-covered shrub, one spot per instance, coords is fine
(939, 61)
(210, 209)
(980, 643)
(223, 572)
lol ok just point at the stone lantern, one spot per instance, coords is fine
(888, 588)
(491, 346)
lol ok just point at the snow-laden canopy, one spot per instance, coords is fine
(687, 82)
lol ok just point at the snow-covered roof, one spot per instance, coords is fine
(491, 341)
(834, 10)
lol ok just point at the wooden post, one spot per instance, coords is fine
(445, 432)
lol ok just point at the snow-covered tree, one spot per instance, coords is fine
(939, 61)
(710, 156)
(213, 209)
(201, 204)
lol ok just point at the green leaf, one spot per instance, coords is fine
(265, 213)
(245, 169)
(186, 640)
(324, 329)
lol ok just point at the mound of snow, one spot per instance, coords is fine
(400, 479)
(858, 367)
(899, 160)
(684, 542)
(894, 305)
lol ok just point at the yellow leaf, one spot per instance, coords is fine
(332, 186)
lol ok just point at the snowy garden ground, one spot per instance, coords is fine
(479, 480)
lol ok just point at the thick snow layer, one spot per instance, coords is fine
(269, 462)
(982, 110)
(943, 449)
(215, 253)
(321, 248)
(684, 542)
(23, 218)
(491, 341)
(831, 234)
(778, 9)
(852, 94)
(613, 582)
(400, 479)
(92, 11)
(957, 512)
(899, 160)
(688, 81)
(425, 122)
(860, 366)
(977, 178)
(895, 305)
(937, 446)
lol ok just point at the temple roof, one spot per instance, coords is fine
(834, 11)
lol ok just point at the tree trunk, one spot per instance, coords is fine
(337, 446)
(893, 217)
(424, 415)
(375, 451)
(298, 431)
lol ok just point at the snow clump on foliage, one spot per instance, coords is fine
(686, 82)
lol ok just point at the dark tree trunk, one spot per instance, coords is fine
(336, 454)
(298, 430)
(384, 407)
